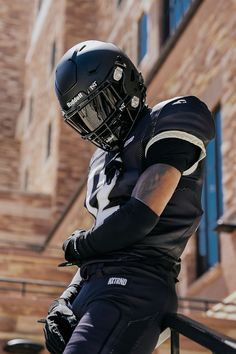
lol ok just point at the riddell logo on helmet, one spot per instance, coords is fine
(74, 100)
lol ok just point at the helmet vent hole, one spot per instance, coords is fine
(132, 76)
(82, 48)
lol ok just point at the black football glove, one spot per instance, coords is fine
(71, 247)
(59, 326)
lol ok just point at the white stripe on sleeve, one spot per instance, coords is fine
(177, 134)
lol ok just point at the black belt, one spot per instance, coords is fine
(102, 268)
(86, 271)
(167, 269)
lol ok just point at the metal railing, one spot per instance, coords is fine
(202, 304)
(31, 286)
(215, 342)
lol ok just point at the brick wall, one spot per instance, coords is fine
(62, 172)
(40, 108)
(120, 26)
(28, 214)
(74, 153)
(14, 25)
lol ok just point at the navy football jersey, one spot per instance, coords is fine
(112, 176)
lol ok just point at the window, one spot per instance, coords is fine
(31, 106)
(49, 137)
(22, 102)
(142, 37)
(39, 4)
(53, 55)
(174, 11)
(26, 179)
(118, 3)
(177, 9)
(212, 201)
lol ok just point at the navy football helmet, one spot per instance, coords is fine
(100, 91)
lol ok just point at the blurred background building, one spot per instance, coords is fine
(182, 47)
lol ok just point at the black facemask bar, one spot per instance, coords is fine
(103, 117)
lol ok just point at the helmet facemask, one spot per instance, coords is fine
(106, 113)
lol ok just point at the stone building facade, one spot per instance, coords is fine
(43, 163)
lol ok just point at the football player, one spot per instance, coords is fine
(144, 191)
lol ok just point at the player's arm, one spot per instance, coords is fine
(133, 221)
